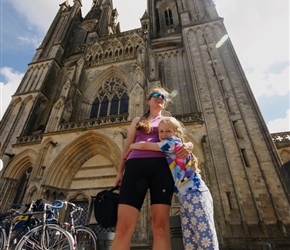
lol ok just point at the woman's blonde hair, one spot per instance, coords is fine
(179, 132)
(145, 122)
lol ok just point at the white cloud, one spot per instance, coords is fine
(11, 80)
(259, 31)
(269, 84)
(34, 40)
(280, 125)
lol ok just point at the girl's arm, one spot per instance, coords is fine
(145, 146)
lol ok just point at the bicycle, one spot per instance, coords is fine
(47, 235)
(14, 224)
(84, 237)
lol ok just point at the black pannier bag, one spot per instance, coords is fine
(39, 205)
(106, 207)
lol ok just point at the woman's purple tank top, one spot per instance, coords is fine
(151, 137)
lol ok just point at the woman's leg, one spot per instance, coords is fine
(130, 202)
(126, 223)
(161, 190)
(160, 226)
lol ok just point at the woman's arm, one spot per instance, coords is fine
(185, 150)
(130, 139)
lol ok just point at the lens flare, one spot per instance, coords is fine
(173, 94)
(223, 39)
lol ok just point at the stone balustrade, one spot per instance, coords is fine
(95, 122)
(281, 137)
(100, 121)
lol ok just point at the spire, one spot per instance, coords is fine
(145, 22)
(95, 11)
(145, 15)
(102, 18)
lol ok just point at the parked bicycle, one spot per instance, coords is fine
(38, 228)
(84, 237)
(47, 235)
(13, 225)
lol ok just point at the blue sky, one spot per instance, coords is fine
(258, 29)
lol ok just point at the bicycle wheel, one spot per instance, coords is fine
(2, 238)
(50, 237)
(85, 238)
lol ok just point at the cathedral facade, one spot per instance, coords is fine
(63, 132)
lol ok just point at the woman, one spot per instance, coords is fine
(196, 204)
(146, 169)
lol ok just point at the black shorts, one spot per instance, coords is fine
(143, 173)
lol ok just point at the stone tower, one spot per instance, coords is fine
(64, 130)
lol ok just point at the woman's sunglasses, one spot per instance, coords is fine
(156, 95)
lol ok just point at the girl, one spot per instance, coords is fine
(195, 199)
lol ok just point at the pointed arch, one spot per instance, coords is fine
(111, 71)
(16, 177)
(20, 164)
(134, 43)
(116, 43)
(110, 82)
(16, 101)
(28, 99)
(65, 166)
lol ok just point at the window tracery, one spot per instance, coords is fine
(112, 99)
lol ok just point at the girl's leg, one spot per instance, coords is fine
(160, 226)
(188, 235)
(126, 223)
(207, 203)
(199, 207)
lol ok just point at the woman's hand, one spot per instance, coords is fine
(118, 179)
(184, 150)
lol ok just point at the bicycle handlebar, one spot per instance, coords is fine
(57, 204)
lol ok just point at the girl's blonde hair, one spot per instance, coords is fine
(177, 126)
(145, 122)
(179, 132)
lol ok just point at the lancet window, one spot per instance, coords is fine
(168, 17)
(22, 185)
